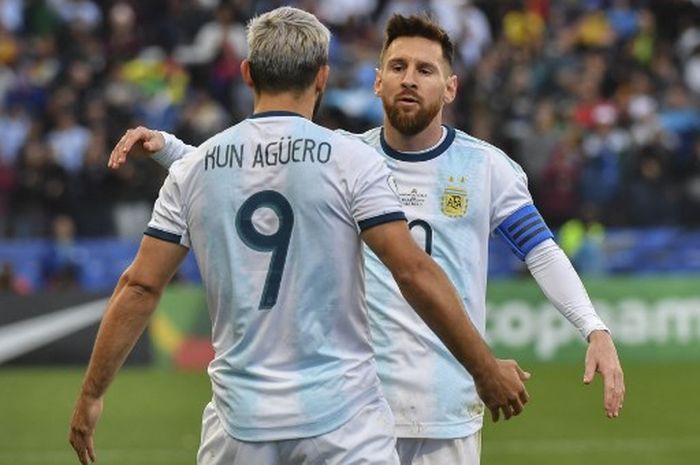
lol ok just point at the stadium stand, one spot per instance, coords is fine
(596, 99)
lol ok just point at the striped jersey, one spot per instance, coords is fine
(272, 209)
(454, 196)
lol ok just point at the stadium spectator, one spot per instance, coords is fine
(557, 191)
(414, 86)
(159, 63)
(583, 241)
(11, 283)
(68, 141)
(124, 40)
(83, 12)
(62, 263)
(215, 55)
(40, 191)
(14, 127)
(326, 354)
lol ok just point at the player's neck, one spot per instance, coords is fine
(286, 101)
(425, 139)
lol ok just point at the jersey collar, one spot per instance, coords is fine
(423, 156)
(266, 114)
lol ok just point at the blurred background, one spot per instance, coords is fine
(596, 99)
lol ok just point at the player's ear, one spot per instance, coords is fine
(245, 73)
(377, 81)
(322, 78)
(450, 89)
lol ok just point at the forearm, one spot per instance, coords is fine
(173, 150)
(429, 291)
(563, 287)
(124, 321)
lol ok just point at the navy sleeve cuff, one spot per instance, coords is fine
(163, 235)
(381, 219)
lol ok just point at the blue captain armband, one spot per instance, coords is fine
(523, 230)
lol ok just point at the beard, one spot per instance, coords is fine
(410, 124)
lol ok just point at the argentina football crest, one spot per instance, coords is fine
(454, 198)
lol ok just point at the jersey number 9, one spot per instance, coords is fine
(277, 243)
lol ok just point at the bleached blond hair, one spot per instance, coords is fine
(286, 48)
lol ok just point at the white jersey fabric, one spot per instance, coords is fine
(366, 439)
(455, 196)
(272, 208)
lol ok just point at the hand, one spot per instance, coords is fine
(503, 390)
(82, 426)
(139, 141)
(602, 357)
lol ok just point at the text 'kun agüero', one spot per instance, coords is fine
(279, 152)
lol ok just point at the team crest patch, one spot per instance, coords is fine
(454, 198)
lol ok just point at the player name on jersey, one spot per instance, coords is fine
(278, 152)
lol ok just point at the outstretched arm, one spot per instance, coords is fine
(133, 302)
(163, 147)
(563, 287)
(428, 290)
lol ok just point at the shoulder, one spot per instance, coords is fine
(492, 154)
(186, 166)
(371, 137)
(356, 144)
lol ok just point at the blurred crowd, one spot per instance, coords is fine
(596, 99)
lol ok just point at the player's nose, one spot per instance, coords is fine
(409, 78)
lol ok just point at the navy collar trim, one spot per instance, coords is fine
(266, 114)
(423, 156)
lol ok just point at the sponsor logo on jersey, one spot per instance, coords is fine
(454, 198)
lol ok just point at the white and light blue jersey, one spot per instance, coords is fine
(272, 209)
(454, 195)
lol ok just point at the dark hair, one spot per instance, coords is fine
(417, 26)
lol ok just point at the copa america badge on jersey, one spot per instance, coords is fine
(393, 185)
(454, 198)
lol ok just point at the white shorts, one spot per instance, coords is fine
(419, 451)
(366, 439)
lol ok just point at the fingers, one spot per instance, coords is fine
(614, 392)
(510, 408)
(507, 411)
(82, 446)
(510, 397)
(118, 154)
(495, 414)
(91, 450)
(524, 396)
(589, 371)
(127, 142)
(524, 375)
(517, 406)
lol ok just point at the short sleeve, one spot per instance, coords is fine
(168, 219)
(173, 150)
(509, 190)
(513, 215)
(375, 198)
